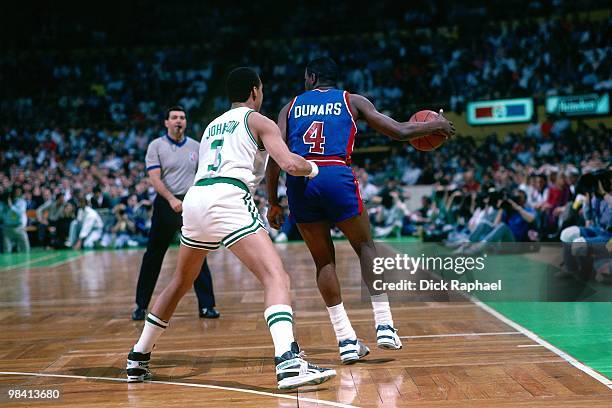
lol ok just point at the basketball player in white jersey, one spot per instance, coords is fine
(219, 210)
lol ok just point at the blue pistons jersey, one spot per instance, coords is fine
(321, 128)
(320, 123)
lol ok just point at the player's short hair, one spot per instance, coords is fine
(324, 68)
(240, 81)
(177, 108)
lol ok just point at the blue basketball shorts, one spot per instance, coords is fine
(333, 195)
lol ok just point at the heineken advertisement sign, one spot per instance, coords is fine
(500, 111)
(577, 105)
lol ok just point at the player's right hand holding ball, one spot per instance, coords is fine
(448, 128)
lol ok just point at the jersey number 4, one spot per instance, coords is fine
(315, 138)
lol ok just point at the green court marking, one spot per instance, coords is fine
(525, 279)
(60, 258)
(400, 240)
(581, 329)
(36, 259)
(10, 261)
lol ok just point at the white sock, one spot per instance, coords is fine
(382, 312)
(341, 323)
(153, 328)
(280, 323)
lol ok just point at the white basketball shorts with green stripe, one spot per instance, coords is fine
(218, 211)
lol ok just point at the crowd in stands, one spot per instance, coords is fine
(76, 123)
(405, 71)
(108, 89)
(400, 67)
(73, 184)
(80, 192)
(553, 184)
(193, 21)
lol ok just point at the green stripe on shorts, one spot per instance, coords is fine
(243, 232)
(199, 245)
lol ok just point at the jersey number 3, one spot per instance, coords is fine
(315, 138)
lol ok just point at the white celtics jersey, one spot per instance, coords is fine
(228, 149)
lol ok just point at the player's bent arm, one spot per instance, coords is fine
(273, 169)
(159, 186)
(270, 136)
(389, 126)
(282, 122)
(272, 174)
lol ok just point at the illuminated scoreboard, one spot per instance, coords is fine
(500, 111)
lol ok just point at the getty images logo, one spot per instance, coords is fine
(412, 264)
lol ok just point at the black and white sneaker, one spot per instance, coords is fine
(293, 371)
(387, 338)
(138, 367)
(351, 350)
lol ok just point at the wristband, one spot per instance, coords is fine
(314, 171)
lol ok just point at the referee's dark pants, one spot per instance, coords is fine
(165, 222)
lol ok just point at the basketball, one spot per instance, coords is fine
(430, 142)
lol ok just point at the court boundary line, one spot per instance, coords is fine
(531, 335)
(194, 385)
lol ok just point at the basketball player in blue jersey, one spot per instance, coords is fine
(319, 125)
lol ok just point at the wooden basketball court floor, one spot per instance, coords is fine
(66, 326)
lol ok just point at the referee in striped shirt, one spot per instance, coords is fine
(172, 162)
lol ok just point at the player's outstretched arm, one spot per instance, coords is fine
(365, 110)
(269, 134)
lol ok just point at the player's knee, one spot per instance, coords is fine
(284, 279)
(182, 283)
(366, 247)
(369, 244)
(279, 277)
(326, 266)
